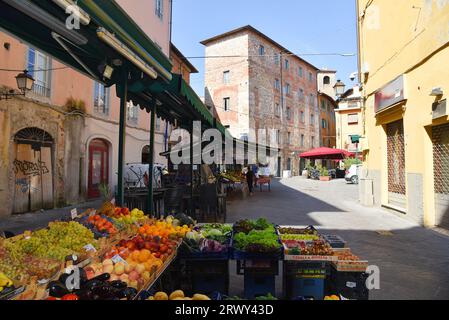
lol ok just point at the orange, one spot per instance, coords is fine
(144, 255)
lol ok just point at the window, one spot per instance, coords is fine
(323, 123)
(277, 59)
(227, 104)
(353, 118)
(310, 76)
(287, 88)
(278, 137)
(101, 99)
(300, 72)
(277, 109)
(326, 80)
(277, 84)
(302, 117)
(289, 138)
(312, 141)
(158, 124)
(301, 94)
(226, 77)
(159, 9)
(287, 64)
(289, 113)
(323, 105)
(39, 61)
(312, 120)
(261, 50)
(302, 140)
(312, 100)
(132, 113)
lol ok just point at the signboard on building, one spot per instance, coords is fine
(391, 94)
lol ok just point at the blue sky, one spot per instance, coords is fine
(302, 26)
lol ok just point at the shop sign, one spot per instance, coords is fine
(391, 94)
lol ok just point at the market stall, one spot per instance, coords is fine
(112, 253)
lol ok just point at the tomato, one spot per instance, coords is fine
(70, 297)
(51, 299)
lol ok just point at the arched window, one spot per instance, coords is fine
(326, 80)
(35, 137)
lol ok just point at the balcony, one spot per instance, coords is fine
(41, 90)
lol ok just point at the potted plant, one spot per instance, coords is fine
(309, 170)
(324, 175)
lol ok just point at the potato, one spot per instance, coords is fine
(200, 297)
(177, 294)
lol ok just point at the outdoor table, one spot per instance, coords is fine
(264, 181)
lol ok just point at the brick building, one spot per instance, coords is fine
(259, 84)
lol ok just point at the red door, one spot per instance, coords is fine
(98, 167)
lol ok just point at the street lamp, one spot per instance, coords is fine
(25, 83)
(339, 88)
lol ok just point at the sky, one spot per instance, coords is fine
(302, 26)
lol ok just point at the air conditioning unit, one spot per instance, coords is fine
(439, 109)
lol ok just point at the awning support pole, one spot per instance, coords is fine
(151, 163)
(122, 140)
(192, 207)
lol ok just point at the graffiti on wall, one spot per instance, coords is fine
(28, 168)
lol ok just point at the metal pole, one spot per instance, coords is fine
(151, 163)
(191, 173)
(122, 139)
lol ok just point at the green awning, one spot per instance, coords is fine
(112, 17)
(355, 138)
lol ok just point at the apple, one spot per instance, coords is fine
(108, 262)
(146, 276)
(119, 268)
(140, 268)
(108, 269)
(129, 267)
(124, 278)
(134, 276)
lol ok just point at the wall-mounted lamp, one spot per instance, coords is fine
(25, 83)
(436, 92)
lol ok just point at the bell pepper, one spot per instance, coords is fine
(70, 297)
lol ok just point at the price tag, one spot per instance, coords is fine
(74, 213)
(117, 258)
(113, 202)
(94, 212)
(90, 247)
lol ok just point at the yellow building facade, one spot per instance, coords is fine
(404, 72)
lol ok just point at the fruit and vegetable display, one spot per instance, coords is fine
(347, 261)
(5, 283)
(233, 176)
(98, 288)
(310, 230)
(58, 241)
(177, 295)
(209, 238)
(317, 248)
(101, 225)
(256, 236)
(168, 228)
(299, 237)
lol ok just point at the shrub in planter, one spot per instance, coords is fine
(324, 174)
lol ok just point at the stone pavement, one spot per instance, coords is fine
(413, 261)
(31, 221)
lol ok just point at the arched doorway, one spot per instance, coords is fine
(33, 170)
(146, 154)
(98, 167)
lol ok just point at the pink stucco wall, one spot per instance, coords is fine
(68, 83)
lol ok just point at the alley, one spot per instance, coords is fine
(412, 260)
